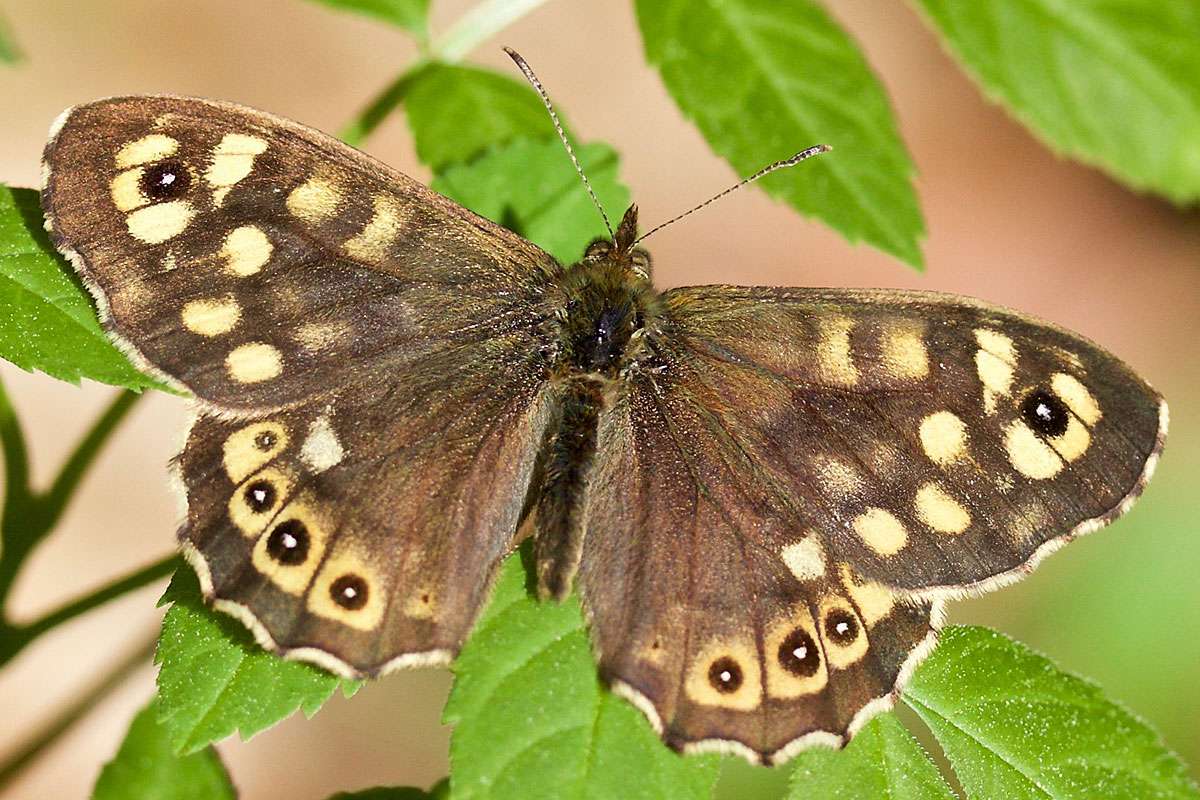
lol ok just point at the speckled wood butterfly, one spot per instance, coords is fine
(766, 494)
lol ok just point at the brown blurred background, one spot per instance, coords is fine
(1008, 222)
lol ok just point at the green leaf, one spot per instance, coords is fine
(9, 52)
(146, 766)
(1111, 84)
(882, 761)
(215, 680)
(531, 187)
(458, 112)
(763, 79)
(532, 720)
(412, 15)
(1014, 726)
(440, 791)
(47, 321)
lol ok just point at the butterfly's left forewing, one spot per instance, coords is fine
(369, 357)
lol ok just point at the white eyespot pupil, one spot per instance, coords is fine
(800, 653)
(1043, 412)
(349, 592)
(260, 495)
(726, 676)
(842, 628)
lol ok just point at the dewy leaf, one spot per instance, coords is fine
(146, 766)
(1014, 726)
(532, 720)
(1111, 84)
(458, 112)
(409, 14)
(764, 79)
(214, 679)
(882, 761)
(47, 321)
(532, 187)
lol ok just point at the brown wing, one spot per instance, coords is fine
(258, 262)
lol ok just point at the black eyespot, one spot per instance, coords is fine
(260, 496)
(349, 591)
(798, 654)
(841, 627)
(288, 543)
(166, 180)
(725, 675)
(1045, 413)
(265, 440)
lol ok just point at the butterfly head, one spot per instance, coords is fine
(620, 249)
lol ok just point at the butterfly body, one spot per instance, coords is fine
(763, 495)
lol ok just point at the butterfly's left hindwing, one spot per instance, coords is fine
(369, 356)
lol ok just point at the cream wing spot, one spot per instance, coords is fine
(316, 336)
(314, 201)
(154, 147)
(873, 600)
(725, 674)
(372, 242)
(881, 531)
(246, 250)
(1073, 442)
(126, 190)
(835, 361)
(843, 633)
(839, 479)
(805, 558)
(794, 661)
(289, 551)
(232, 160)
(254, 362)
(1077, 397)
(943, 437)
(1028, 454)
(248, 449)
(348, 589)
(321, 449)
(157, 223)
(422, 604)
(940, 511)
(255, 501)
(211, 317)
(903, 351)
(994, 363)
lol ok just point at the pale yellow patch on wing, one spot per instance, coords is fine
(940, 511)
(232, 160)
(246, 250)
(782, 683)
(943, 437)
(1077, 397)
(157, 223)
(314, 336)
(1073, 442)
(314, 201)
(254, 362)
(150, 148)
(211, 317)
(994, 363)
(839, 479)
(873, 600)
(835, 361)
(250, 522)
(372, 242)
(903, 351)
(422, 604)
(348, 561)
(842, 654)
(747, 696)
(249, 448)
(169, 262)
(293, 578)
(805, 558)
(126, 190)
(881, 531)
(1028, 454)
(321, 449)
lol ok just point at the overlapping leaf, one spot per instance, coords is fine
(763, 79)
(409, 14)
(441, 791)
(47, 321)
(1111, 84)
(146, 766)
(9, 52)
(214, 679)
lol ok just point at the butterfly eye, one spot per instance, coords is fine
(641, 261)
(841, 627)
(349, 591)
(166, 180)
(260, 496)
(798, 654)
(597, 249)
(1045, 413)
(288, 543)
(725, 675)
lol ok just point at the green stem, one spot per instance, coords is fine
(16, 456)
(88, 699)
(379, 108)
(17, 637)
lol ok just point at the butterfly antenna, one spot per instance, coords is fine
(523, 65)
(815, 150)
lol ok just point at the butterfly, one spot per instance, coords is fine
(764, 495)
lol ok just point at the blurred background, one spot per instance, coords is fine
(1008, 222)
